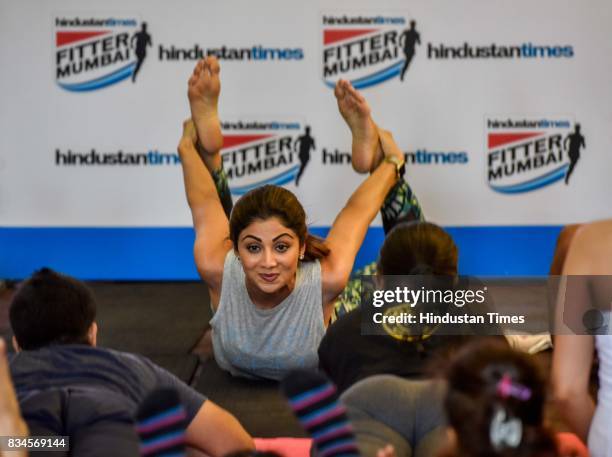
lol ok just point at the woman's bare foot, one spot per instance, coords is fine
(356, 112)
(203, 92)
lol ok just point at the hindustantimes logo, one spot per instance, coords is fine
(525, 154)
(421, 156)
(367, 49)
(92, 53)
(95, 157)
(257, 152)
(256, 52)
(498, 51)
(95, 52)
(372, 48)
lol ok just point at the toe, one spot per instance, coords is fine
(213, 64)
(338, 92)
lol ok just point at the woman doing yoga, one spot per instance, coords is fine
(272, 284)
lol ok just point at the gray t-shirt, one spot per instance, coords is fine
(267, 343)
(91, 395)
(127, 376)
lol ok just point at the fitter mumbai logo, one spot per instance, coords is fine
(367, 49)
(527, 154)
(257, 152)
(92, 53)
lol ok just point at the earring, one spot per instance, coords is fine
(301, 256)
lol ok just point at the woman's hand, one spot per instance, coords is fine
(190, 136)
(388, 144)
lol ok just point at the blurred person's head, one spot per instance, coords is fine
(416, 255)
(495, 403)
(418, 248)
(52, 308)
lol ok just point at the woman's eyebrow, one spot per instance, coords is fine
(274, 239)
(251, 236)
(281, 235)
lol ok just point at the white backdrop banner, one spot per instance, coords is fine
(503, 112)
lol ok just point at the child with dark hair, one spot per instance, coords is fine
(495, 406)
(66, 383)
(50, 308)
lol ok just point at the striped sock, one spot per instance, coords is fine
(314, 401)
(161, 424)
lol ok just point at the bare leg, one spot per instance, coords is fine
(203, 92)
(356, 112)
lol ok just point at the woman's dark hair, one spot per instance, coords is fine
(491, 386)
(51, 308)
(273, 201)
(418, 248)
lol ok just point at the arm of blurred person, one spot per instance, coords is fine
(573, 353)
(11, 422)
(216, 432)
(572, 360)
(563, 243)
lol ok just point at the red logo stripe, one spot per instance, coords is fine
(499, 139)
(332, 36)
(62, 38)
(235, 140)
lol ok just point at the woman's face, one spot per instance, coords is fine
(269, 254)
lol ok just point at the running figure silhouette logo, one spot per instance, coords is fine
(142, 39)
(408, 40)
(305, 143)
(367, 48)
(576, 141)
(525, 154)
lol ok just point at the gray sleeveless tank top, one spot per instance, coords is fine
(267, 343)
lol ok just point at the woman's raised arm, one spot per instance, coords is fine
(350, 226)
(209, 220)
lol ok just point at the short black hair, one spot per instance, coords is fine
(51, 308)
